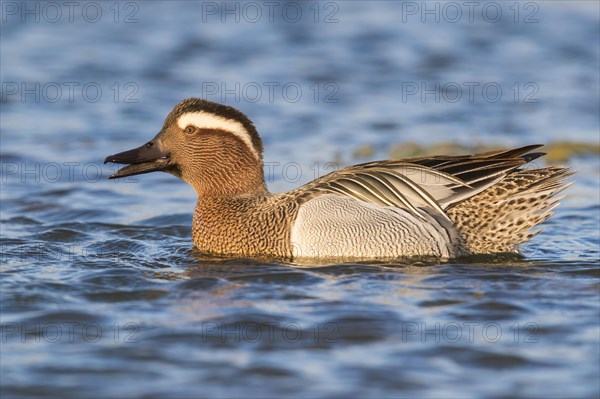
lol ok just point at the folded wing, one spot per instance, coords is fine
(421, 185)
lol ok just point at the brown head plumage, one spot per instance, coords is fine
(213, 147)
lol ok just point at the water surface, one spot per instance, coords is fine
(103, 295)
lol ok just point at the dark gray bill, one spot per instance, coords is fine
(145, 159)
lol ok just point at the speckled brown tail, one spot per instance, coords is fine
(499, 218)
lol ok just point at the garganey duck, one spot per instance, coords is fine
(441, 206)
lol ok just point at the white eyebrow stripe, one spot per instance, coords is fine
(206, 120)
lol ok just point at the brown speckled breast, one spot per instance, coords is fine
(245, 225)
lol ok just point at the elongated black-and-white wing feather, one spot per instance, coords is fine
(421, 184)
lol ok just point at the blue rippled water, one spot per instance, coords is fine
(102, 293)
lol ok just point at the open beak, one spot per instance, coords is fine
(150, 157)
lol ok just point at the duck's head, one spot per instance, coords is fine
(213, 147)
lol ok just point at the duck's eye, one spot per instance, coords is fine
(190, 129)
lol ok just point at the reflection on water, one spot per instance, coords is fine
(99, 278)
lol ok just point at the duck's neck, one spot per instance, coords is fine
(217, 183)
